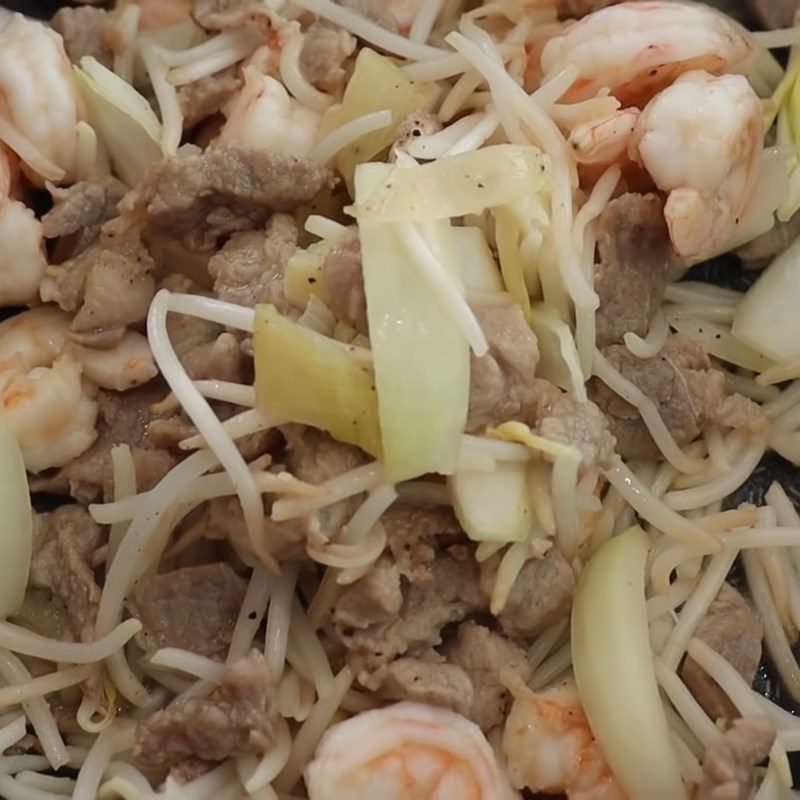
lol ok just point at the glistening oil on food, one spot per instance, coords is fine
(400, 400)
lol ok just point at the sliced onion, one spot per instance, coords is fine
(614, 671)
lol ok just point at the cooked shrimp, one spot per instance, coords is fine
(34, 338)
(264, 115)
(700, 140)
(163, 13)
(39, 105)
(22, 257)
(550, 747)
(128, 364)
(604, 140)
(52, 412)
(638, 48)
(405, 752)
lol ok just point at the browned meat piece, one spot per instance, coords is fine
(483, 655)
(449, 594)
(415, 534)
(237, 718)
(63, 543)
(575, 9)
(217, 15)
(540, 596)
(773, 13)
(728, 762)
(124, 419)
(204, 98)
(343, 280)
(634, 250)
(374, 10)
(688, 392)
(86, 33)
(373, 599)
(733, 629)
(761, 250)
(325, 51)
(220, 360)
(562, 419)
(431, 682)
(194, 608)
(249, 268)
(199, 198)
(81, 209)
(93, 282)
(502, 383)
(418, 123)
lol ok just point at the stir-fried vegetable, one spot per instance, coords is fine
(16, 532)
(494, 506)
(377, 84)
(456, 185)
(478, 268)
(421, 357)
(614, 671)
(559, 362)
(303, 275)
(305, 377)
(766, 318)
(122, 118)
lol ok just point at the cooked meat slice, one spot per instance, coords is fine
(729, 761)
(220, 360)
(415, 534)
(634, 254)
(449, 595)
(218, 15)
(205, 97)
(484, 655)
(237, 718)
(93, 282)
(688, 392)
(249, 268)
(343, 282)
(228, 188)
(64, 541)
(421, 681)
(86, 33)
(325, 51)
(562, 419)
(761, 250)
(733, 629)
(540, 596)
(502, 383)
(124, 419)
(575, 9)
(81, 209)
(375, 10)
(773, 13)
(194, 608)
(375, 598)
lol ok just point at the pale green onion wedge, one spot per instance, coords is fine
(614, 671)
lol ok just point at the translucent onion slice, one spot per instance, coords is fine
(614, 671)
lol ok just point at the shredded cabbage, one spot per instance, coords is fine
(478, 268)
(377, 84)
(305, 377)
(455, 186)
(16, 532)
(614, 671)
(766, 318)
(122, 118)
(494, 506)
(302, 277)
(511, 264)
(559, 362)
(421, 357)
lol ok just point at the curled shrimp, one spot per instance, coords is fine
(128, 364)
(52, 412)
(700, 140)
(22, 256)
(638, 48)
(550, 747)
(265, 115)
(406, 751)
(39, 105)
